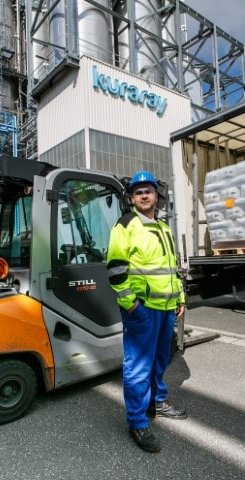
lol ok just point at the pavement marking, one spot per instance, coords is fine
(240, 342)
(234, 341)
(234, 335)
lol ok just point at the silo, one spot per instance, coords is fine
(57, 31)
(95, 36)
(148, 50)
(91, 26)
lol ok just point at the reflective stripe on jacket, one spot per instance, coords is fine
(141, 263)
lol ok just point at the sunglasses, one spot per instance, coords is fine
(144, 191)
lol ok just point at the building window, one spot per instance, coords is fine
(123, 156)
(112, 153)
(70, 153)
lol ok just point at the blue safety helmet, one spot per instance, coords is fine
(142, 177)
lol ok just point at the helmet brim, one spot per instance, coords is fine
(139, 184)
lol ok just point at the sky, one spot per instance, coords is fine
(229, 15)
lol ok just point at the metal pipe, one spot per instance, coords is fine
(195, 211)
(132, 38)
(18, 61)
(180, 78)
(29, 48)
(216, 72)
(243, 71)
(71, 41)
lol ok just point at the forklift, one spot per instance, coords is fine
(59, 319)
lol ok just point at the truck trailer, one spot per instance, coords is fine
(215, 144)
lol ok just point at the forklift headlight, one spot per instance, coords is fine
(4, 268)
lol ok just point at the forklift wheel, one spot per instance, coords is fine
(18, 387)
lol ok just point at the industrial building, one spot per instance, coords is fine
(102, 84)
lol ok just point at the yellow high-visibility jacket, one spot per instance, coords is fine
(141, 263)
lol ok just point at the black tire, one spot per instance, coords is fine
(18, 387)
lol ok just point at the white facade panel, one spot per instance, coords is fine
(61, 111)
(134, 110)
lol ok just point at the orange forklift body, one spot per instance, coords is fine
(23, 330)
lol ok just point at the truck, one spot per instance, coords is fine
(213, 144)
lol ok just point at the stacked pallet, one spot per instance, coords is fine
(224, 200)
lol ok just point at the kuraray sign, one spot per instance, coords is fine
(131, 92)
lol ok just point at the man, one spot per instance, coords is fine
(142, 270)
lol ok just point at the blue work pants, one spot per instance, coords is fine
(147, 341)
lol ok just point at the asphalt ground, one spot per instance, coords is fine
(220, 314)
(79, 433)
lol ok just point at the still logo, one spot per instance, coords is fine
(83, 285)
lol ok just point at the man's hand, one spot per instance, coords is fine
(135, 305)
(180, 310)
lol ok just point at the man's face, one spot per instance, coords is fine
(144, 198)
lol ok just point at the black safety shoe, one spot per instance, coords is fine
(166, 409)
(146, 439)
